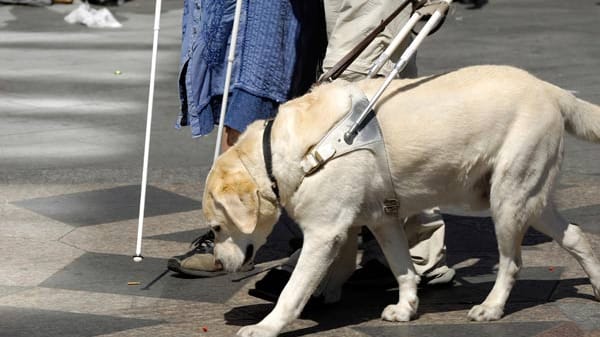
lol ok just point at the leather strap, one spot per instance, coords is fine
(343, 64)
(268, 157)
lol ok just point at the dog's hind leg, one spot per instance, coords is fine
(572, 239)
(516, 195)
(509, 232)
(523, 174)
(394, 244)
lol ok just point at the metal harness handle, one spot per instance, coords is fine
(345, 62)
(434, 20)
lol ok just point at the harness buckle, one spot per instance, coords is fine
(391, 206)
(317, 157)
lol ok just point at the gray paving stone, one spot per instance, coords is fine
(17, 322)
(586, 315)
(569, 329)
(108, 205)
(108, 273)
(9, 290)
(523, 329)
(584, 215)
(28, 262)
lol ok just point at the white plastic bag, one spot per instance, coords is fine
(97, 18)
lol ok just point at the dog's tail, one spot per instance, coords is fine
(582, 119)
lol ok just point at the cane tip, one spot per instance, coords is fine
(138, 258)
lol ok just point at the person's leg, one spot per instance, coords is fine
(425, 233)
(349, 21)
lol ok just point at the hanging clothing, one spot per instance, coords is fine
(262, 70)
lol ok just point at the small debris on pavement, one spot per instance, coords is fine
(133, 283)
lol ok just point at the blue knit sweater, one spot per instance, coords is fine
(263, 67)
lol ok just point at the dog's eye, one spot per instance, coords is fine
(216, 228)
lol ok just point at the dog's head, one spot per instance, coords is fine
(238, 213)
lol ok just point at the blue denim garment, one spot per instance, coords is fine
(263, 67)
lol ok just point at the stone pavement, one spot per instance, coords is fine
(71, 145)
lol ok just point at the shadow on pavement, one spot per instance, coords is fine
(359, 305)
(474, 4)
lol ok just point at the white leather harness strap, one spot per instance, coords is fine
(368, 138)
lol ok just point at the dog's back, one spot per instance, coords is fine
(468, 124)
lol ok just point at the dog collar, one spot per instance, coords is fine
(268, 157)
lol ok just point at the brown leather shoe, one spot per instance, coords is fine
(199, 261)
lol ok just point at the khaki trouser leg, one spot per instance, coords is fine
(349, 21)
(425, 233)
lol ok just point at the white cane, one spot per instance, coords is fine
(138, 249)
(230, 59)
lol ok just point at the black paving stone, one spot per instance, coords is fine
(471, 286)
(519, 329)
(535, 284)
(25, 322)
(107, 273)
(183, 236)
(476, 234)
(108, 205)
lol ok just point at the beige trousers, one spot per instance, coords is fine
(349, 21)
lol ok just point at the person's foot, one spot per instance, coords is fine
(374, 273)
(199, 261)
(440, 278)
(271, 285)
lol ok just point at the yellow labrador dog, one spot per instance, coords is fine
(485, 137)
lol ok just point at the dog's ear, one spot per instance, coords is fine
(240, 202)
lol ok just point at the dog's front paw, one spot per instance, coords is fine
(398, 313)
(256, 331)
(483, 312)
